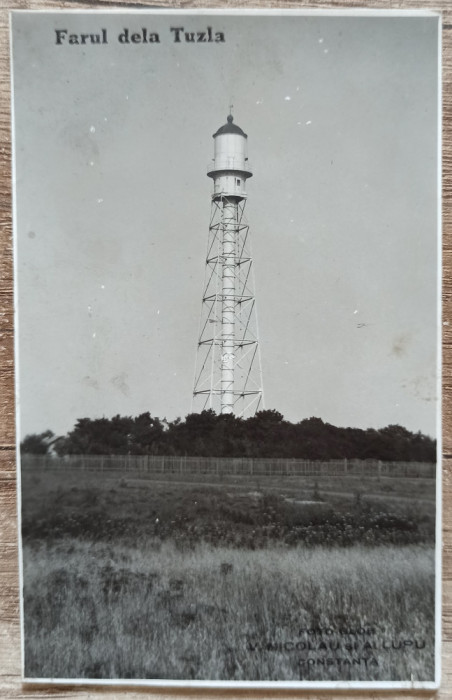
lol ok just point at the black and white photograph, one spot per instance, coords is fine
(227, 324)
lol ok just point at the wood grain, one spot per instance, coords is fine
(10, 663)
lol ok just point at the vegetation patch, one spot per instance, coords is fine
(98, 510)
(104, 611)
(205, 434)
(246, 581)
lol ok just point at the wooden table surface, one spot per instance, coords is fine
(10, 683)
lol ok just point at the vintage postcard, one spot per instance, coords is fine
(227, 275)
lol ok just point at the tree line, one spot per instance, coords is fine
(206, 434)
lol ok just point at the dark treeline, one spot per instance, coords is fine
(206, 434)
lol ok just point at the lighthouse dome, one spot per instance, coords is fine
(230, 128)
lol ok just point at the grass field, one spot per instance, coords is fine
(126, 577)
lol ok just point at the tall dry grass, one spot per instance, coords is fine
(99, 610)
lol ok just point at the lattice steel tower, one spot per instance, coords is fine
(228, 376)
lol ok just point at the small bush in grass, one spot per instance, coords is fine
(316, 494)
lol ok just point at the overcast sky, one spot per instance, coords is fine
(113, 204)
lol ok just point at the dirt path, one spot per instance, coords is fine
(366, 496)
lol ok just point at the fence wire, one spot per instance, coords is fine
(236, 466)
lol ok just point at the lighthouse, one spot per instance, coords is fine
(228, 376)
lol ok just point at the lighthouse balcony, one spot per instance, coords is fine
(241, 165)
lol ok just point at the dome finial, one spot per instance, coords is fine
(229, 127)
